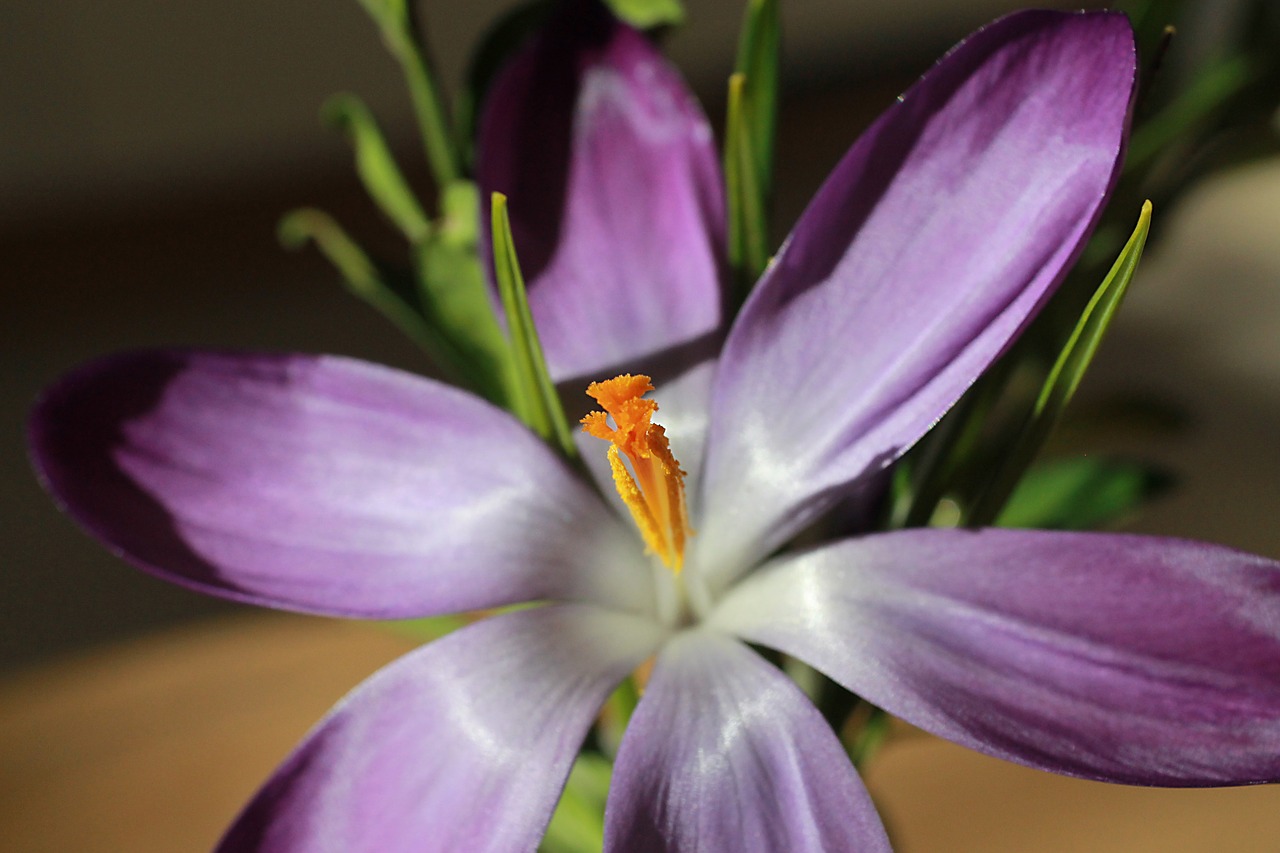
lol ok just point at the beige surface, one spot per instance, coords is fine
(154, 745)
(940, 798)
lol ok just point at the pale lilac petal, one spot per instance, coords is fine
(324, 484)
(616, 200)
(725, 755)
(461, 745)
(928, 249)
(1122, 658)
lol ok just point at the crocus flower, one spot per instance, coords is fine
(326, 485)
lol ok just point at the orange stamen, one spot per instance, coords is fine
(655, 493)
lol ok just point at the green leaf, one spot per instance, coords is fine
(376, 165)
(455, 296)
(386, 12)
(428, 628)
(577, 825)
(495, 47)
(455, 300)
(757, 61)
(1063, 379)
(538, 404)
(1081, 494)
(647, 14)
(748, 237)
(460, 215)
(750, 128)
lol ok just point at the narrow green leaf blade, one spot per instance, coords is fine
(1064, 378)
(1083, 344)
(376, 166)
(539, 401)
(758, 49)
(1081, 494)
(750, 128)
(748, 237)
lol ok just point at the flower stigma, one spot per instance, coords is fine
(655, 493)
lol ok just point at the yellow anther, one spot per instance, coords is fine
(655, 491)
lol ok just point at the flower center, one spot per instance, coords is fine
(655, 492)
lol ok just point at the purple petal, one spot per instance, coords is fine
(724, 753)
(1122, 658)
(928, 249)
(324, 484)
(616, 199)
(461, 745)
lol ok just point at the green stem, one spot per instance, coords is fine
(395, 19)
(432, 121)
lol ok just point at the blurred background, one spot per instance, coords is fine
(148, 150)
